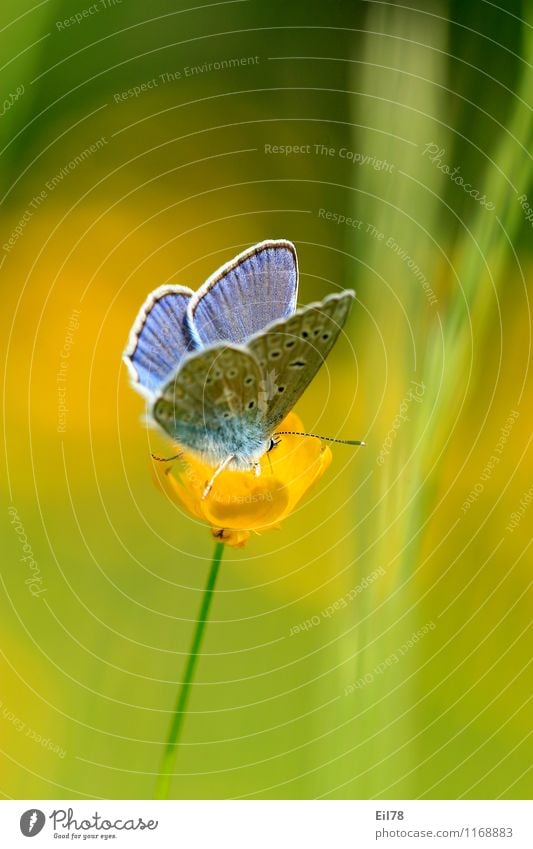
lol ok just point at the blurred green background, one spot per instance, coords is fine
(432, 371)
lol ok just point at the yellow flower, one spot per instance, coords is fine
(241, 502)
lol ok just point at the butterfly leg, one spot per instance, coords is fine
(214, 476)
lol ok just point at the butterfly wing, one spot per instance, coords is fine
(211, 406)
(254, 289)
(291, 351)
(159, 338)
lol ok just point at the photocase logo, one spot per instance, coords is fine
(32, 822)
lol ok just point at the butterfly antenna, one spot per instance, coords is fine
(167, 459)
(220, 468)
(325, 438)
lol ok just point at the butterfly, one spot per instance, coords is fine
(221, 367)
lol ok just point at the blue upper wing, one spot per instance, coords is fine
(159, 337)
(254, 289)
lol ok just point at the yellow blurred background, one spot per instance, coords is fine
(418, 684)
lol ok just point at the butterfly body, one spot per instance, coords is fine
(222, 367)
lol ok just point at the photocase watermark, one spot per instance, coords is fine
(66, 820)
(34, 580)
(23, 728)
(491, 463)
(414, 394)
(62, 372)
(232, 400)
(253, 497)
(526, 208)
(11, 99)
(73, 164)
(68, 825)
(435, 155)
(391, 660)
(268, 389)
(39, 198)
(517, 515)
(184, 73)
(356, 157)
(88, 12)
(32, 822)
(339, 604)
(339, 218)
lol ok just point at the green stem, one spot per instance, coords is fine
(167, 765)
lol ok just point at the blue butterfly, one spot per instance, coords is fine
(221, 367)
